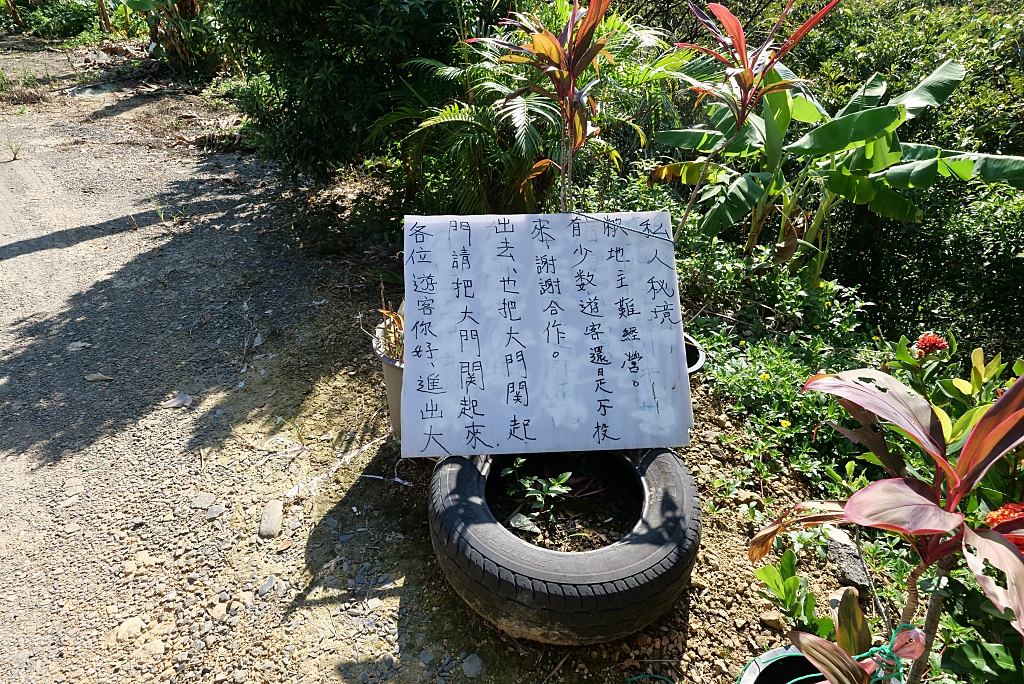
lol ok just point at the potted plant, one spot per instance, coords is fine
(389, 345)
(812, 658)
(930, 511)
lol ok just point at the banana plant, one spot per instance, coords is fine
(564, 59)
(854, 156)
(924, 511)
(749, 76)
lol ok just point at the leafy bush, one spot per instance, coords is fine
(58, 19)
(491, 130)
(960, 270)
(326, 69)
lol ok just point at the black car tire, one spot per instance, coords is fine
(567, 598)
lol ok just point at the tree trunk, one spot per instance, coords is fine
(14, 13)
(931, 624)
(105, 24)
(913, 599)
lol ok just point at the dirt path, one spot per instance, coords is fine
(129, 547)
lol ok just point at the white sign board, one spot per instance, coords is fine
(537, 333)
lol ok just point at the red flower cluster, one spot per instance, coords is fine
(929, 343)
(1004, 514)
(1010, 511)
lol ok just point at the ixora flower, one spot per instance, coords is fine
(1005, 513)
(929, 343)
(1008, 520)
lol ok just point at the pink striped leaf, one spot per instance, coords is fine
(999, 431)
(891, 400)
(901, 505)
(1000, 552)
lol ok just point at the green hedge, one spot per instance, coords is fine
(320, 73)
(962, 269)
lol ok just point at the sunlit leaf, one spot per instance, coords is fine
(992, 547)
(933, 90)
(866, 97)
(891, 400)
(849, 131)
(903, 505)
(1000, 430)
(832, 661)
(852, 632)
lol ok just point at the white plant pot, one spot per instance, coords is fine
(393, 370)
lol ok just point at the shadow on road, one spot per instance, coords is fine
(182, 315)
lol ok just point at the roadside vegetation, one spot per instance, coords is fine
(847, 220)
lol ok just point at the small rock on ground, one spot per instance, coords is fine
(203, 500)
(849, 569)
(773, 619)
(473, 666)
(270, 523)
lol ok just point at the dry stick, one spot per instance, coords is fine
(931, 623)
(14, 13)
(104, 17)
(557, 667)
(700, 180)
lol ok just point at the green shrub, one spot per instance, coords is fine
(904, 41)
(959, 271)
(58, 19)
(325, 69)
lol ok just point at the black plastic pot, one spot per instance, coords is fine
(695, 356)
(781, 666)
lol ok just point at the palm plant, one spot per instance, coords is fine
(486, 142)
(490, 128)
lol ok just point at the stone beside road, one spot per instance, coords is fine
(272, 520)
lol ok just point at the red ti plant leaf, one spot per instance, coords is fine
(585, 34)
(1000, 552)
(890, 399)
(832, 661)
(538, 170)
(998, 432)
(905, 505)
(708, 23)
(805, 514)
(1012, 530)
(734, 28)
(875, 441)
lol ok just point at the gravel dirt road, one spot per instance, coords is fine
(134, 267)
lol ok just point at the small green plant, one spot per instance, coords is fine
(789, 594)
(157, 208)
(517, 484)
(544, 490)
(14, 146)
(539, 491)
